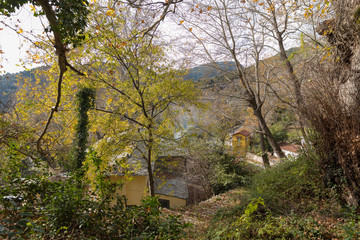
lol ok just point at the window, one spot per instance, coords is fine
(164, 203)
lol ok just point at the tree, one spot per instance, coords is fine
(286, 20)
(276, 16)
(139, 92)
(332, 102)
(86, 101)
(67, 21)
(220, 27)
(64, 30)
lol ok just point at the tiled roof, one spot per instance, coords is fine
(242, 132)
(169, 180)
(175, 187)
(290, 147)
(135, 166)
(174, 166)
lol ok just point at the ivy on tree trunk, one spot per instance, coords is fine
(85, 101)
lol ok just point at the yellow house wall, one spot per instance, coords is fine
(134, 190)
(174, 201)
(240, 148)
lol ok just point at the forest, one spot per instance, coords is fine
(179, 119)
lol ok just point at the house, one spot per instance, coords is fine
(241, 141)
(170, 184)
(134, 179)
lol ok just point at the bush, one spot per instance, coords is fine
(280, 132)
(351, 225)
(256, 222)
(37, 207)
(288, 184)
(307, 227)
(227, 173)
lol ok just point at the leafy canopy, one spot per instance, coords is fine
(70, 15)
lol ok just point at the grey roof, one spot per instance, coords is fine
(168, 173)
(136, 166)
(174, 187)
(174, 166)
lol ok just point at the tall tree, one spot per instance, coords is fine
(140, 91)
(224, 29)
(67, 21)
(286, 20)
(64, 30)
(85, 101)
(332, 101)
(277, 16)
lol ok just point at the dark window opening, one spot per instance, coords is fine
(164, 203)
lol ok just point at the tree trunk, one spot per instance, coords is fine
(263, 149)
(294, 80)
(256, 104)
(149, 160)
(274, 144)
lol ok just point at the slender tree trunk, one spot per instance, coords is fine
(294, 80)
(149, 160)
(256, 104)
(274, 144)
(264, 155)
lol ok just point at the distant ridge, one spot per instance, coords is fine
(207, 76)
(210, 70)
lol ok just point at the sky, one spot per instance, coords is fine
(9, 44)
(12, 45)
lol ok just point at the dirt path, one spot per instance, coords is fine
(200, 215)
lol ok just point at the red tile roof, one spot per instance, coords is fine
(290, 147)
(242, 132)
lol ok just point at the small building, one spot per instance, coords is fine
(134, 182)
(170, 185)
(240, 142)
(172, 192)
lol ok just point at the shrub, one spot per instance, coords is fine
(227, 173)
(36, 207)
(279, 131)
(351, 226)
(288, 184)
(256, 222)
(307, 227)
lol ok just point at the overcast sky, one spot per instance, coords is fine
(11, 43)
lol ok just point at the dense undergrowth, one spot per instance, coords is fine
(287, 201)
(228, 173)
(34, 205)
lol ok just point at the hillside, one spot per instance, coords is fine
(8, 87)
(210, 70)
(10, 82)
(201, 215)
(206, 74)
(279, 203)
